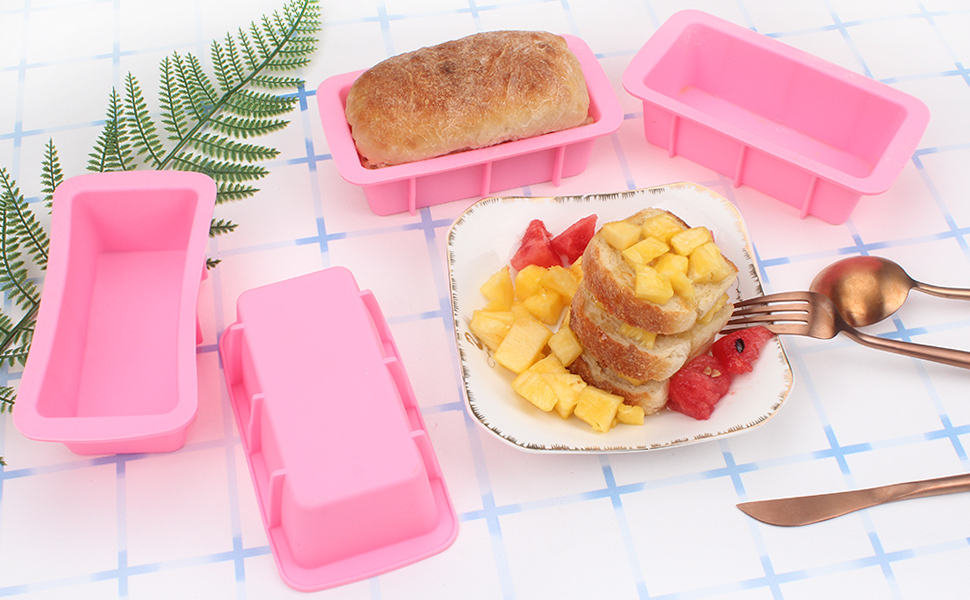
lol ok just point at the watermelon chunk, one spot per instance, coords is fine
(697, 387)
(536, 248)
(738, 350)
(573, 241)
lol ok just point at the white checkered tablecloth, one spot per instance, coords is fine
(660, 524)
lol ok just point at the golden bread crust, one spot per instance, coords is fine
(469, 93)
(650, 396)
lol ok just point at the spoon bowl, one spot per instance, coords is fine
(868, 289)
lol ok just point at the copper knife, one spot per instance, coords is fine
(803, 510)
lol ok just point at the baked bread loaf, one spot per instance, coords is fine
(632, 345)
(465, 94)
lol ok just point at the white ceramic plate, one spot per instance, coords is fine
(484, 239)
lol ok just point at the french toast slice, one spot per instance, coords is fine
(611, 280)
(651, 396)
(634, 353)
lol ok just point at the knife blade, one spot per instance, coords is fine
(804, 510)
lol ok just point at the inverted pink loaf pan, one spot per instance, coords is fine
(112, 367)
(346, 478)
(472, 173)
(809, 133)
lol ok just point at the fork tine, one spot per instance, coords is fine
(802, 297)
(749, 309)
(762, 319)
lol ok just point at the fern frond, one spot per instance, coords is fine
(51, 175)
(230, 191)
(212, 263)
(247, 128)
(227, 63)
(138, 124)
(248, 103)
(7, 395)
(218, 170)
(173, 112)
(194, 96)
(227, 149)
(111, 150)
(221, 226)
(19, 226)
(276, 82)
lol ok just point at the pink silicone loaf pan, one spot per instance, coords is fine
(809, 133)
(346, 479)
(472, 173)
(112, 367)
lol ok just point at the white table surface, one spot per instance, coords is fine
(659, 524)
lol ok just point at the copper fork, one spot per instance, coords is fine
(813, 315)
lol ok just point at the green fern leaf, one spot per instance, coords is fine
(111, 150)
(138, 124)
(231, 191)
(247, 128)
(225, 148)
(249, 103)
(221, 227)
(19, 226)
(51, 174)
(7, 395)
(173, 112)
(273, 82)
(219, 170)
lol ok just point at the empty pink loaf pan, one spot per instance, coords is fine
(346, 479)
(112, 367)
(809, 133)
(473, 173)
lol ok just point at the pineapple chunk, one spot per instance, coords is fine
(533, 387)
(523, 344)
(686, 241)
(671, 263)
(490, 326)
(577, 269)
(663, 227)
(519, 310)
(652, 286)
(675, 267)
(527, 281)
(567, 387)
(707, 265)
(620, 234)
(598, 408)
(646, 338)
(629, 415)
(498, 290)
(548, 364)
(565, 345)
(644, 251)
(560, 280)
(545, 305)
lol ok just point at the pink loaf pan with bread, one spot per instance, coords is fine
(472, 173)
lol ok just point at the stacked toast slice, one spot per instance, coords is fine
(653, 296)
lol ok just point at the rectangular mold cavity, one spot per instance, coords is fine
(346, 479)
(112, 366)
(472, 173)
(809, 133)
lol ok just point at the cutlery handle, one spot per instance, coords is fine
(929, 487)
(943, 292)
(947, 356)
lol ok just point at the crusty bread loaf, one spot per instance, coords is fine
(602, 335)
(611, 281)
(469, 93)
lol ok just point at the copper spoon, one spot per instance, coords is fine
(867, 289)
